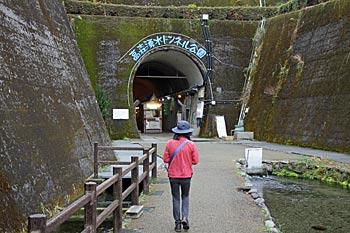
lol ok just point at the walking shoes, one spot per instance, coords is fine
(185, 224)
(178, 227)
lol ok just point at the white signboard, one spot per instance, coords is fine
(153, 125)
(120, 114)
(221, 126)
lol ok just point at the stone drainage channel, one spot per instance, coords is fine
(298, 205)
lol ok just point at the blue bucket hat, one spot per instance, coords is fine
(183, 127)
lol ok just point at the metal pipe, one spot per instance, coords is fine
(206, 32)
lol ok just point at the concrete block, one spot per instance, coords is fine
(244, 135)
(228, 138)
(134, 211)
(253, 157)
(255, 171)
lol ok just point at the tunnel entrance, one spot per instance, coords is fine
(174, 80)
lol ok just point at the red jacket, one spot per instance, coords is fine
(181, 166)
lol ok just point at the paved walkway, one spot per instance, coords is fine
(216, 205)
(339, 157)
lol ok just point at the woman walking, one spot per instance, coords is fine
(180, 154)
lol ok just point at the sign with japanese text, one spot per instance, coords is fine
(167, 39)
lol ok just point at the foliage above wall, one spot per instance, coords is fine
(208, 3)
(224, 10)
(184, 12)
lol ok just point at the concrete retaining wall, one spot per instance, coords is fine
(103, 40)
(301, 91)
(49, 117)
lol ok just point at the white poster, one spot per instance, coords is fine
(221, 126)
(200, 107)
(120, 114)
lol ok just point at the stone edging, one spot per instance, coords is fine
(328, 174)
(308, 170)
(258, 200)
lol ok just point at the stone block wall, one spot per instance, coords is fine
(49, 117)
(104, 40)
(301, 91)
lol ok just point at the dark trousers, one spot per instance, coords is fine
(180, 188)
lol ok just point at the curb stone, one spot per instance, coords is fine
(258, 200)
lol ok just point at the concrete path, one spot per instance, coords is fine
(339, 157)
(216, 205)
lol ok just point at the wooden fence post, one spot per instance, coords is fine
(90, 208)
(154, 161)
(146, 169)
(95, 160)
(37, 223)
(118, 195)
(135, 180)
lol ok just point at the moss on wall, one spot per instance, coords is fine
(274, 76)
(231, 44)
(49, 116)
(301, 94)
(312, 168)
(11, 217)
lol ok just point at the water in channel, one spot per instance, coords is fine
(305, 206)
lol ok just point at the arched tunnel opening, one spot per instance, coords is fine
(166, 88)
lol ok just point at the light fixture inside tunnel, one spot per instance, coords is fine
(153, 105)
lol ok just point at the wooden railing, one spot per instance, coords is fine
(38, 223)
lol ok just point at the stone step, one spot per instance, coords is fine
(134, 211)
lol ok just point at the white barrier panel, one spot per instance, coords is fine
(253, 156)
(221, 126)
